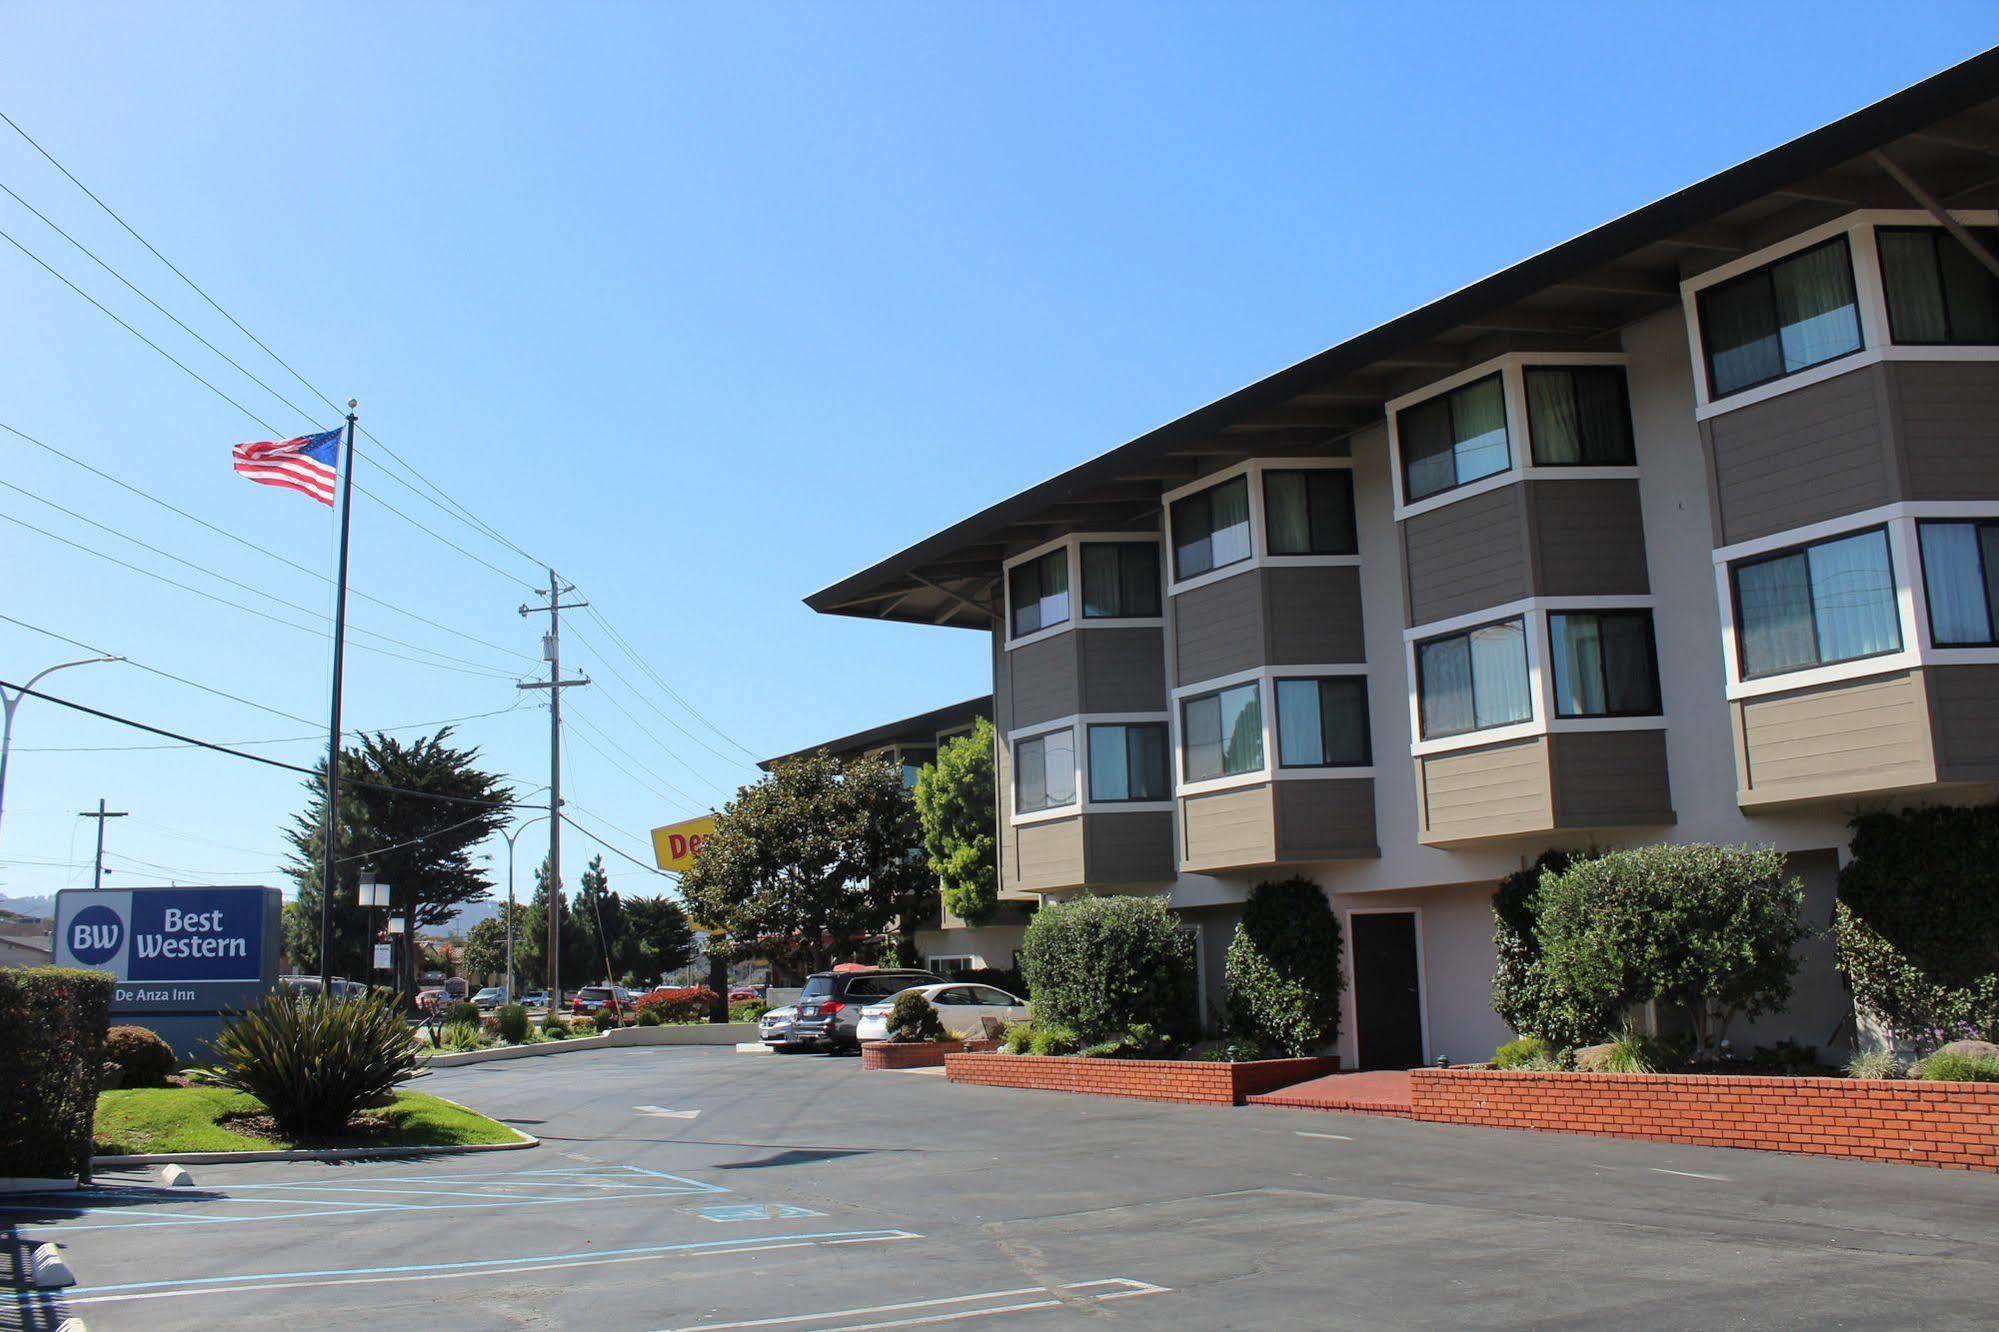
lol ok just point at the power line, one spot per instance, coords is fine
(584, 736)
(666, 749)
(646, 666)
(612, 847)
(154, 670)
(512, 578)
(604, 658)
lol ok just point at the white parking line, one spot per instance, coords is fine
(1337, 1137)
(1690, 1174)
(1119, 1288)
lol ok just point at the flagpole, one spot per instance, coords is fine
(329, 879)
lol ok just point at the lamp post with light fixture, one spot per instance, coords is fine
(9, 702)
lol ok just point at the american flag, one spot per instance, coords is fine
(304, 464)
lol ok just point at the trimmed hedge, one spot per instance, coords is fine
(687, 1003)
(1523, 995)
(1284, 971)
(144, 1058)
(1100, 966)
(52, 1027)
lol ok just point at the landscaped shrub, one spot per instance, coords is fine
(606, 1019)
(458, 1036)
(689, 1003)
(1232, 1050)
(1528, 1050)
(1141, 1042)
(1523, 996)
(1875, 1064)
(1917, 925)
(914, 1018)
(748, 1010)
(1946, 1067)
(512, 1021)
(315, 1063)
(461, 1010)
(52, 1022)
(1045, 1040)
(139, 1052)
(1787, 1059)
(1019, 1038)
(1102, 965)
(552, 1030)
(1709, 929)
(647, 1017)
(1284, 972)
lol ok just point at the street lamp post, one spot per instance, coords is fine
(510, 836)
(10, 702)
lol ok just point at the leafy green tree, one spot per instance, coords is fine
(813, 862)
(603, 916)
(1285, 975)
(1523, 995)
(956, 811)
(659, 938)
(420, 846)
(486, 944)
(531, 943)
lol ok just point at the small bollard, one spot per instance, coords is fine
(49, 1270)
(174, 1177)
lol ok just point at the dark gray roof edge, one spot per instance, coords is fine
(937, 719)
(1955, 89)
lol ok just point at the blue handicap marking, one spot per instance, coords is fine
(752, 1212)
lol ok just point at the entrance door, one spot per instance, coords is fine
(1388, 1005)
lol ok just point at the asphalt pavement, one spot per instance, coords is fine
(696, 1187)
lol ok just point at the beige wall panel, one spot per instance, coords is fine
(1049, 854)
(1867, 735)
(1228, 828)
(1491, 792)
(1964, 722)
(1044, 678)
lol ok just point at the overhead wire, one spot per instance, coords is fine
(639, 660)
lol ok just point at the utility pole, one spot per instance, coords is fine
(551, 651)
(101, 815)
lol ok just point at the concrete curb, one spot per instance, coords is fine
(35, 1184)
(321, 1153)
(702, 1034)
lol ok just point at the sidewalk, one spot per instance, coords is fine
(1380, 1093)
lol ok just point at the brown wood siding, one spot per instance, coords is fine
(1610, 779)
(1964, 721)
(1802, 457)
(1049, 854)
(1466, 556)
(1949, 414)
(1326, 819)
(1218, 629)
(1009, 857)
(1838, 739)
(1226, 829)
(1312, 616)
(1123, 670)
(1128, 846)
(1589, 538)
(1498, 791)
(1044, 679)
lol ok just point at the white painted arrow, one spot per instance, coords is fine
(664, 1113)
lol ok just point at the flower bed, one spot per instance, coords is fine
(1197, 1081)
(1954, 1125)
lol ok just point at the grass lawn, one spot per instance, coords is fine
(208, 1119)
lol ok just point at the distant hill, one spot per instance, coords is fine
(37, 908)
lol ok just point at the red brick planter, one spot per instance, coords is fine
(907, 1054)
(1954, 1125)
(1198, 1081)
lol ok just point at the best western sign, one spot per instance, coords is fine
(675, 845)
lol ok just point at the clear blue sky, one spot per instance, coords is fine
(711, 305)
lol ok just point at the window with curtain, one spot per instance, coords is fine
(1578, 416)
(1938, 294)
(1474, 680)
(1452, 439)
(1038, 592)
(1830, 601)
(1782, 318)
(1323, 723)
(1223, 732)
(1309, 512)
(1120, 580)
(1605, 663)
(1211, 528)
(1128, 762)
(1044, 771)
(1961, 580)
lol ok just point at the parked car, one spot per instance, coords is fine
(535, 999)
(490, 998)
(591, 998)
(433, 999)
(746, 993)
(830, 1005)
(774, 1027)
(342, 987)
(959, 1006)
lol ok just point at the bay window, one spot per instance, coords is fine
(1830, 601)
(1960, 564)
(1044, 771)
(1211, 528)
(1309, 512)
(1782, 318)
(1474, 680)
(1578, 416)
(1453, 438)
(1120, 580)
(1938, 294)
(1223, 732)
(1322, 723)
(1606, 664)
(1038, 593)
(1128, 762)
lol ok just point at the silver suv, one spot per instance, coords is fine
(829, 1007)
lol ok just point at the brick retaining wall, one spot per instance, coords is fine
(907, 1054)
(1195, 1081)
(1954, 1125)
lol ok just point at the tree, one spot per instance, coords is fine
(486, 944)
(603, 916)
(815, 861)
(1102, 966)
(956, 811)
(420, 845)
(531, 942)
(1707, 928)
(1284, 971)
(1523, 995)
(659, 938)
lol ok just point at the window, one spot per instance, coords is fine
(1120, 580)
(1224, 733)
(1578, 416)
(1045, 771)
(1960, 563)
(1605, 663)
(1785, 317)
(1473, 680)
(1211, 529)
(1830, 601)
(1039, 593)
(1454, 438)
(1322, 723)
(1937, 292)
(1309, 512)
(949, 966)
(1128, 762)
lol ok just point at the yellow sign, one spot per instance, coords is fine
(674, 845)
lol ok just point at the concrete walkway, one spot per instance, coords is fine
(1380, 1093)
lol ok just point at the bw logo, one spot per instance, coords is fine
(95, 935)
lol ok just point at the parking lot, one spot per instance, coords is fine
(702, 1188)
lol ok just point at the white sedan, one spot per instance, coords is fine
(960, 1007)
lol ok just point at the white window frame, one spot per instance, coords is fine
(1259, 539)
(1015, 815)
(1511, 369)
(1533, 613)
(1265, 678)
(1876, 343)
(930, 964)
(1078, 724)
(1074, 542)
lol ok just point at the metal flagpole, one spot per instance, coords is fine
(329, 877)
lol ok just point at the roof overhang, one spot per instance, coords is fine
(919, 729)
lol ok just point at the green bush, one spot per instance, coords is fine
(1944, 1067)
(1635, 1052)
(648, 1017)
(748, 1010)
(1523, 1052)
(1019, 1038)
(141, 1054)
(1232, 1050)
(52, 1024)
(1141, 1042)
(1709, 929)
(512, 1020)
(315, 1063)
(606, 1019)
(914, 1018)
(1523, 995)
(460, 1010)
(1875, 1064)
(456, 1036)
(1787, 1058)
(1099, 966)
(1284, 970)
(1051, 1041)
(555, 1031)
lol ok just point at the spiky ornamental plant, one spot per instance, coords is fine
(315, 1063)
